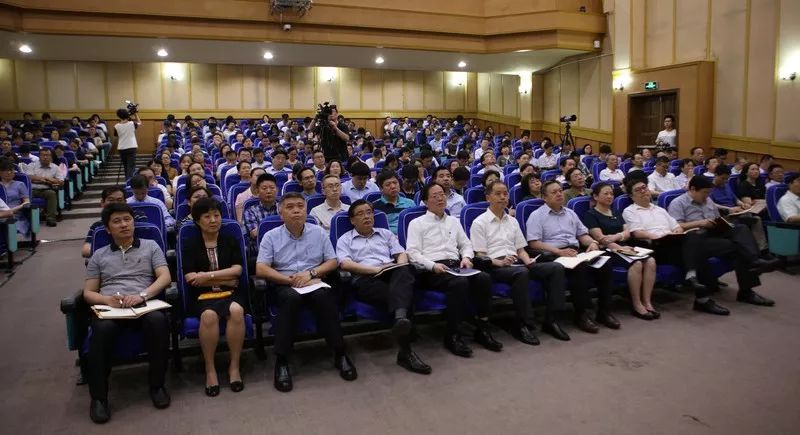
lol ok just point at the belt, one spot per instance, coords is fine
(449, 263)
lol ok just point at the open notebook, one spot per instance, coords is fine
(573, 262)
(106, 312)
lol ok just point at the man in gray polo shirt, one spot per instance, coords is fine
(694, 209)
(126, 273)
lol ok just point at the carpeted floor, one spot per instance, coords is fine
(686, 373)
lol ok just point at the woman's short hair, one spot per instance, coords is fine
(569, 173)
(203, 206)
(525, 184)
(598, 187)
(123, 114)
(487, 174)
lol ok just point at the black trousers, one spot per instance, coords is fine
(155, 328)
(580, 280)
(736, 246)
(323, 302)
(460, 291)
(128, 157)
(551, 274)
(391, 291)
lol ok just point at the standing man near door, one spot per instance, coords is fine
(668, 137)
(125, 130)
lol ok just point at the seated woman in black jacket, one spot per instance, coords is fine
(609, 229)
(212, 264)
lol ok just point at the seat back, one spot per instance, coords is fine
(475, 194)
(183, 210)
(405, 218)
(154, 216)
(234, 191)
(580, 205)
(665, 198)
(142, 230)
(524, 209)
(774, 193)
(621, 203)
(340, 224)
(513, 179)
(274, 221)
(515, 195)
(153, 192)
(596, 168)
(372, 197)
(550, 174)
(470, 212)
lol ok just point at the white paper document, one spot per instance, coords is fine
(310, 288)
(463, 272)
(573, 262)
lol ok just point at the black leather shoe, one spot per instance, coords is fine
(485, 339)
(711, 307)
(99, 411)
(401, 328)
(694, 283)
(346, 368)
(554, 329)
(607, 319)
(160, 397)
(525, 334)
(212, 391)
(412, 362)
(51, 223)
(761, 265)
(237, 386)
(655, 313)
(585, 323)
(751, 297)
(456, 345)
(646, 316)
(283, 378)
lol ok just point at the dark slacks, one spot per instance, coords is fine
(51, 200)
(128, 157)
(391, 291)
(459, 292)
(551, 274)
(582, 278)
(323, 302)
(154, 327)
(738, 246)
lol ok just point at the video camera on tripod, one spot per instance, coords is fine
(567, 138)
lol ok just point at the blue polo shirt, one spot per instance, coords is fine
(393, 210)
(723, 195)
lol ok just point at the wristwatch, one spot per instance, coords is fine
(312, 273)
(143, 295)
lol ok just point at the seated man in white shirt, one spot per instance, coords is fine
(565, 166)
(484, 146)
(152, 182)
(359, 185)
(774, 175)
(436, 244)
(661, 180)
(548, 160)
(789, 204)
(489, 162)
(319, 161)
(279, 157)
(455, 202)
(139, 186)
(259, 159)
(612, 172)
(497, 235)
(323, 213)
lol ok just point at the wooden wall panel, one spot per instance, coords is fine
(393, 98)
(61, 85)
(455, 86)
(175, 82)
(659, 24)
(119, 84)
(350, 91)
(91, 78)
(570, 82)
(203, 86)
(589, 92)
(7, 83)
(510, 84)
(606, 95)
(434, 90)
(622, 34)
(691, 25)
(254, 83)
(31, 90)
(147, 84)
(484, 88)
(229, 86)
(552, 96)
(414, 90)
(303, 88)
(495, 93)
(278, 87)
(372, 90)
(788, 92)
(727, 43)
(760, 84)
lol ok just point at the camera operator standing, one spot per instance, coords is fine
(332, 133)
(127, 146)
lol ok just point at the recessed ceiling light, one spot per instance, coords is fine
(522, 51)
(25, 48)
(379, 60)
(462, 64)
(268, 55)
(162, 53)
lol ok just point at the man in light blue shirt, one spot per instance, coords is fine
(291, 257)
(359, 185)
(391, 202)
(365, 251)
(139, 186)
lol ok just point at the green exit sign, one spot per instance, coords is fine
(650, 86)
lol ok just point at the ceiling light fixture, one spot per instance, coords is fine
(268, 55)
(462, 64)
(522, 51)
(379, 60)
(162, 53)
(25, 48)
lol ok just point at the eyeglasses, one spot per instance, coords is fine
(333, 186)
(362, 213)
(436, 195)
(640, 189)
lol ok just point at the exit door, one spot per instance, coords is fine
(646, 118)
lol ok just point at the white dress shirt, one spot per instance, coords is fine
(789, 205)
(615, 175)
(652, 219)
(431, 239)
(324, 213)
(662, 183)
(545, 161)
(496, 237)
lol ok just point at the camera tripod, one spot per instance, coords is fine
(567, 137)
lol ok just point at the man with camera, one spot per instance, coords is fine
(125, 130)
(332, 133)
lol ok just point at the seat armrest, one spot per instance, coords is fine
(171, 294)
(70, 304)
(784, 225)
(260, 285)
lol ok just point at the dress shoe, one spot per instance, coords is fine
(525, 334)
(760, 265)
(607, 319)
(711, 307)
(283, 378)
(751, 297)
(51, 223)
(346, 368)
(553, 328)
(485, 339)
(694, 283)
(99, 411)
(212, 391)
(237, 386)
(401, 328)
(412, 362)
(655, 313)
(586, 324)
(456, 345)
(160, 397)
(646, 316)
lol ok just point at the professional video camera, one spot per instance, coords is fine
(568, 118)
(132, 107)
(324, 112)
